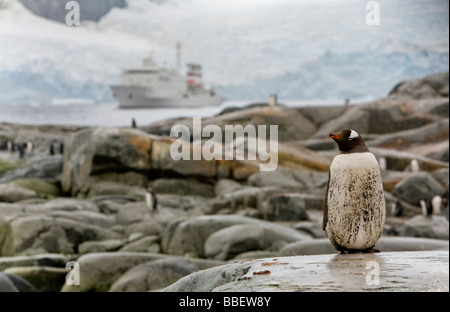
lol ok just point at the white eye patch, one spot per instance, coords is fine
(353, 134)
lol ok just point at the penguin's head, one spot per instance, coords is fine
(349, 141)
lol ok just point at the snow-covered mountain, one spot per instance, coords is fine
(249, 49)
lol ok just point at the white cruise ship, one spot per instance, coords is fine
(150, 86)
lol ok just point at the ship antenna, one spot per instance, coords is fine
(179, 56)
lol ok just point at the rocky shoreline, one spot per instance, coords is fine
(84, 202)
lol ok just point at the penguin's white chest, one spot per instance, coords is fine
(356, 205)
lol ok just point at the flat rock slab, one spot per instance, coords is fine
(385, 271)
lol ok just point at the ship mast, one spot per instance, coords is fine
(178, 56)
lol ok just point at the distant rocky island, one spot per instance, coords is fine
(72, 201)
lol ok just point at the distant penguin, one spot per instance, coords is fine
(61, 148)
(29, 147)
(415, 167)
(423, 207)
(436, 204)
(133, 123)
(21, 150)
(51, 149)
(398, 209)
(426, 207)
(354, 205)
(393, 204)
(151, 200)
(10, 146)
(382, 162)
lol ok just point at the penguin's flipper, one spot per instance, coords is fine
(325, 206)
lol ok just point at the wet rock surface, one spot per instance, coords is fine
(386, 271)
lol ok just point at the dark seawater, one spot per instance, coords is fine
(108, 114)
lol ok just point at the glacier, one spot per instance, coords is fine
(297, 49)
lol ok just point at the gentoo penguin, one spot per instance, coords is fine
(10, 146)
(415, 167)
(21, 149)
(151, 201)
(423, 207)
(436, 203)
(398, 209)
(354, 206)
(426, 207)
(382, 162)
(29, 147)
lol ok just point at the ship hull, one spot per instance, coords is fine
(139, 97)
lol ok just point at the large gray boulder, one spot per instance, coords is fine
(385, 243)
(45, 167)
(111, 154)
(311, 227)
(43, 278)
(401, 160)
(147, 243)
(292, 125)
(225, 186)
(354, 117)
(105, 188)
(288, 179)
(10, 282)
(99, 271)
(188, 236)
(100, 245)
(432, 132)
(388, 116)
(64, 204)
(442, 176)
(429, 227)
(189, 186)
(321, 114)
(162, 160)
(127, 156)
(6, 246)
(153, 275)
(242, 198)
(47, 260)
(10, 193)
(432, 86)
(386, 271)
(286, 207)
(43, 188)
(228, 242)
(53, 233)
(418, 186)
